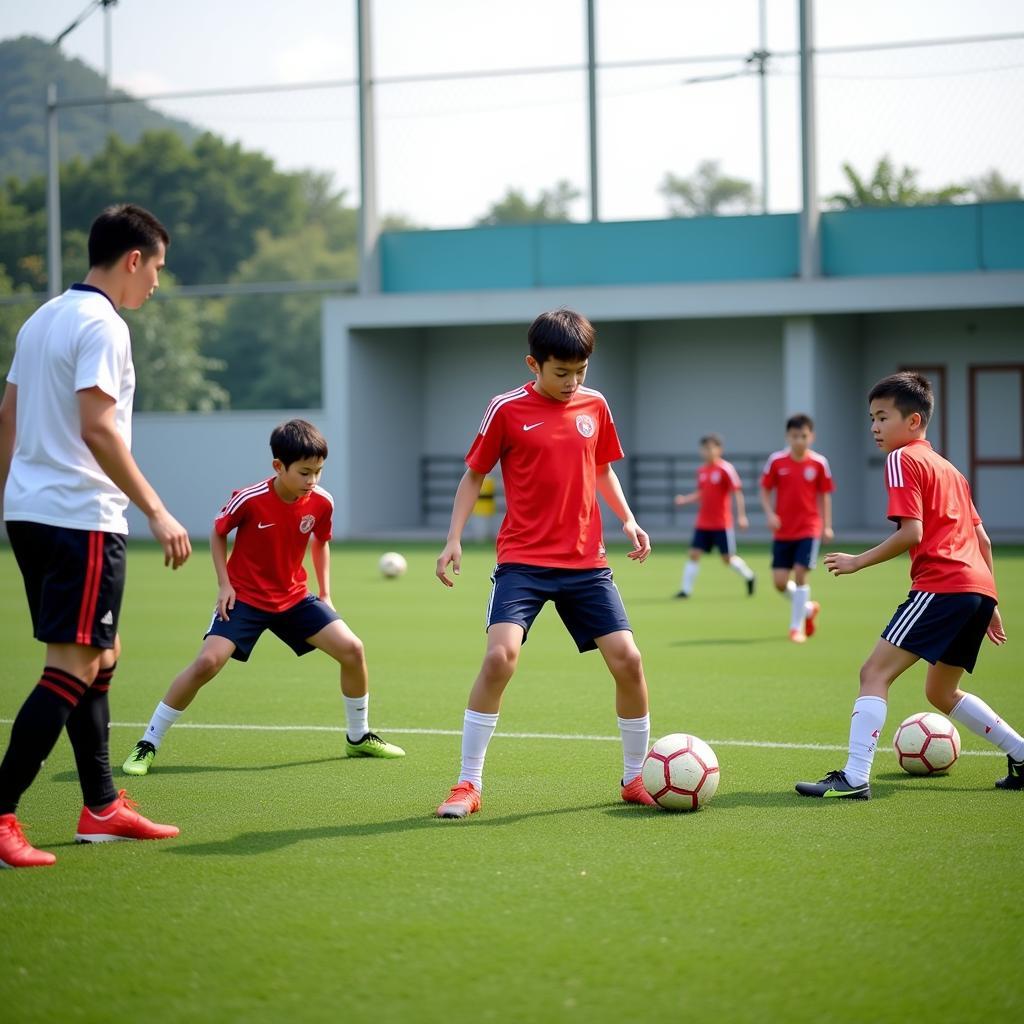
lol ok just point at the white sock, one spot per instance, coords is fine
(738, 565)
(163, 718)
(798, 612)
(865, 728)
(636, 735)
(984, 722)
(689, 575)
(357, 716)
(477, 730)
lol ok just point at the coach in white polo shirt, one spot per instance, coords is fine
(67, 475)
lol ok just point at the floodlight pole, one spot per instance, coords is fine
(54, 270)
(592, 107)
(763, 83)
(369, 221)
(810, 219)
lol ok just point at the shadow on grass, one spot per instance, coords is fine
(785, 799)
(195, 769)
(269, 841)
(942, 783)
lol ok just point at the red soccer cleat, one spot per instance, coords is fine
(798, 636)
(634, 793)
(812, 614)
(119, 821)
(463, 800)
(16, 851)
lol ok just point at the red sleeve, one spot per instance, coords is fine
(609, 448)
(323, 529)
(486, 448)
(227, 521)
(825, 483)
(903, 479)
(975, 518)
(735, 483)
(768, 477)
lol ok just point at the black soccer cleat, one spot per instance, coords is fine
(1014, 775)
(835, 786)
(682, 593)
(750, 586)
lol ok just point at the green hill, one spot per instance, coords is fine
(27, 66)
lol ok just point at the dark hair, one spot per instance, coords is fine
(561, 334)
(297, 439)
(122, 228)
(909, 391)
(798, 421)
(712, 439)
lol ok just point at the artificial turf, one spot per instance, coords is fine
(309, 887)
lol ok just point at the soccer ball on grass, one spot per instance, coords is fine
(392, 564)
(681, 772)
(926, 743)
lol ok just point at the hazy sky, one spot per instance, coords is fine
(448, 148)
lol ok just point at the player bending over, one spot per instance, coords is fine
(717, 482)
(952, 600)
(263, 586)
(802, 482)
(556, 441)
(65, 457)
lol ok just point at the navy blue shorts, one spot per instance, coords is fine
(586, 600)
(74, 581)
(293, 626)
(706, 540)
(787, 553)
(941, 627)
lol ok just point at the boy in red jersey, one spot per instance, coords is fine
(556, 441)
(802, 481)
(952, 602)
(263, 586)
(717, 482)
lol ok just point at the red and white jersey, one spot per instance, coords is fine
(716, 482)
(549, 453)
(923, 485)
(265, 565)
(797, 484)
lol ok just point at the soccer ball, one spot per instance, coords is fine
(392, 564)
(681, 772)
(926, 743)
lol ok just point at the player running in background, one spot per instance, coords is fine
(67, 475)
(263, 586)
(802, 482)
(952, 602)
(717, 482)
(556, 441)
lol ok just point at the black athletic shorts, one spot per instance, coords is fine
(74, 581)
(942, 627)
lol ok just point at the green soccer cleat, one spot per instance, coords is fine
(371, 745)
(139, 759)
(834, 785)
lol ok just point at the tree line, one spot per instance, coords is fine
(235, 218)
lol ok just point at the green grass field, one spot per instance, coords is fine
(307, 887)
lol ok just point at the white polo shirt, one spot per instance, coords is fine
(76, 341)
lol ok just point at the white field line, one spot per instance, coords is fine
(242, 727)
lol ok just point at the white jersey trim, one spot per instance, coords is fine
(324, 494)
(894, 468)
(496, 403)
(243, 496)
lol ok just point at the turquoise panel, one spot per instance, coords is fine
(469, 260)
(664, 251)
(1002, 236)
(900, 240)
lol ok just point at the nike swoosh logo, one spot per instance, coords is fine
(532, 425)
(263, 526)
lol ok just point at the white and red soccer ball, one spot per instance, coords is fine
(681, 772)
(926, 743)
(392, 565)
